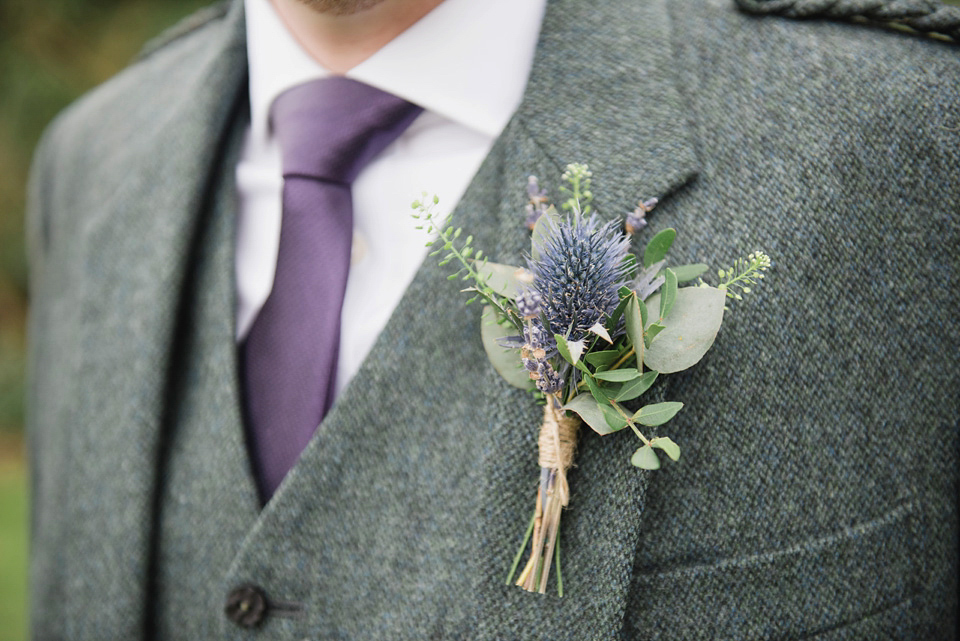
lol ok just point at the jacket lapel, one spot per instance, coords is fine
(413, 496)
(602, 92)
(137, 249)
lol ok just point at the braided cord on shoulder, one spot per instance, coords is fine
(927, 16)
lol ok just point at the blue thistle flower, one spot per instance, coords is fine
(578, 273)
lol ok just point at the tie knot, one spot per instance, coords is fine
(332, 127)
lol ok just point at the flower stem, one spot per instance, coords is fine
(629, 420)
(559, 573)
(625, 358)
(523, 546)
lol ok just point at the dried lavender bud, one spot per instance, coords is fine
(528, 304)
(536, 337)
(537, 206)
(548, 381)
(637, 219)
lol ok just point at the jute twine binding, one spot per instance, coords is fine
(558, 442)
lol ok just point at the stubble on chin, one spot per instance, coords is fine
(340, 7)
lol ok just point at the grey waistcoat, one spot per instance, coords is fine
(204, 467)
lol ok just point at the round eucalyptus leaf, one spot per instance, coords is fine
(668, 446)
(691, 327)
(506, 280)
(588, 409)
(645, 458)
(505, 360)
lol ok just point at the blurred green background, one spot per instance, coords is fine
(51, 51)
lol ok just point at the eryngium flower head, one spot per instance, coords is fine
(578, 272)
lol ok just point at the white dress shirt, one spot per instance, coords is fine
(466, 63)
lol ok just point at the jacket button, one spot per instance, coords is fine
(246, 606)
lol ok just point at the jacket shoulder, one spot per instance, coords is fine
(95, 140)
(930, 17)
(163, 61)
(189, 25)
(842, 39)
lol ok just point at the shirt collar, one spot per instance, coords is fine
(465, 60)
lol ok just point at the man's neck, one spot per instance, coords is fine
(340, 42)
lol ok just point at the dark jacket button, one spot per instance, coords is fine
(246, 606)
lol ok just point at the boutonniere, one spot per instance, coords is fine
(587, 327)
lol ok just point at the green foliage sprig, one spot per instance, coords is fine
(744, 274)
(472, 261)
(652, 331)
(578, 193)
(590, 327)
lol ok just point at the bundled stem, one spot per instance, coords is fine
(557, 443)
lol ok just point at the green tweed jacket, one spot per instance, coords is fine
(817, 496)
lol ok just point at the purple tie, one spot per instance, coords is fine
(328, 130)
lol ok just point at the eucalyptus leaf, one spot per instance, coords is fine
(566, 350)
(618, 375)
(651, 333)
(686, 273)
(657, 414)
(636, 387)
(658, 246)
(595, 389)
(615, 421)
(505, 361)
(505, 280)
(601, 331)
(668, 294)
(669, 447)
(645, 458)
(541, 231)
(589, 410)
(634, 322)
(614, 318)
(604, 358)
(691, 328)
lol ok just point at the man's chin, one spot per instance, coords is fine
(340, 7)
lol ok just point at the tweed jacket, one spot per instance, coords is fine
(817, 495)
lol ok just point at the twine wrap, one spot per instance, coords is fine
(558, 443)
